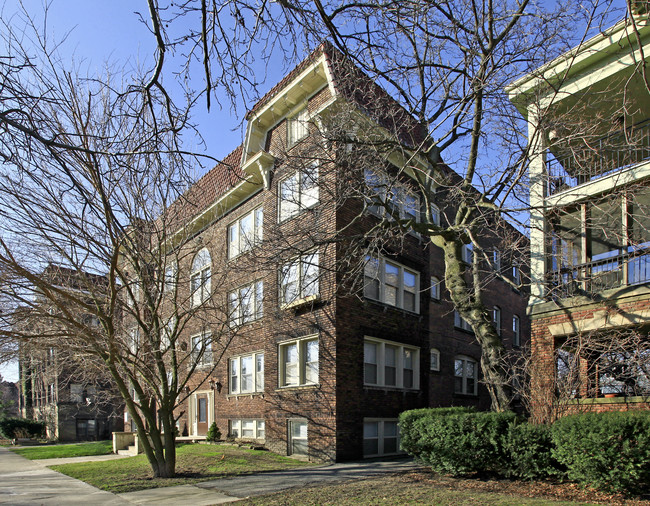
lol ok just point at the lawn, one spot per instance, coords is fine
(63, 451)
(422, 487)
(194, 463)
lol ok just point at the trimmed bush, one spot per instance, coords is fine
(608, 451)
(21, 427)
(456, 441)
(529, 450)
(214, 434)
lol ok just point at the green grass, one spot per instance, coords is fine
(63, 451)
(194, 463)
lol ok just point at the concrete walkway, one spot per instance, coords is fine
(26, 482)
(29, 482)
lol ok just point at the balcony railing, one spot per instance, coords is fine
(631, 268)
(603, 156)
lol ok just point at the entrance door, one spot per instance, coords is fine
(201, 405)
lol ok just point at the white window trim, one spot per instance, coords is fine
(516, 330)
(238, 425)
(381, 271)
(205, 345)
(434, 360)
(381, 436)
(305, 199)
(257, 380)
(303, 295)
(464, 391)
(399, 366)
(238, 243)
(496, 319)
(256, 291)
(435, 288)
(203, 273)
(301, 345)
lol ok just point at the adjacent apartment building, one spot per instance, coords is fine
(58, 385)
(331, 340)
(589, 131)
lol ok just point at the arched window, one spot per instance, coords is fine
(200, 285)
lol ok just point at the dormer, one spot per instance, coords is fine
(286, 101)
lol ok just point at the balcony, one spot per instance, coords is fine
(598, 158)
(615, 271)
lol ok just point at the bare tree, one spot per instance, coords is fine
(92, 251)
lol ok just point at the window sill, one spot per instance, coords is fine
(245, 395)
(387, 306)
(301, 302)
(390, 388)
(310, 386)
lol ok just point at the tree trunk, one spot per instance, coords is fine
(466, 300)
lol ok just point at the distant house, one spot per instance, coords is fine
(57, 385)
(314, 370)
(590, 223)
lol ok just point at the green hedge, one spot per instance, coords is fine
(21, 427)
(608, 451)
(456, 441)
(529, 452)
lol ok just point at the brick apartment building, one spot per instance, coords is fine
(590, 201)
(321, 362)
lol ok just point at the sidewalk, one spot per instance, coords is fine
(28, 482)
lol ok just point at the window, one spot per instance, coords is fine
(516, 274)
(246, 304)
(76, 392)
(298, 441)
(248, 429)
(246, 232)
(133, 297)
(516, 332)
(435, 288)
(435, 214)
(467, 253)
(380, 437)
(389, 364)
(496, 319)
(203, 410)
(299, 279)
(391, 283)
(385, 194)
(297, 127)
(496, 260)
(169, 283)
(435, 360)
(200, 284)
(461, 323)
(465, 376)
(168, 332)
(299, 362)
(133, 340)
(202, 348)
(247, 374)
(299, 191)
